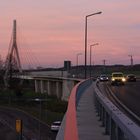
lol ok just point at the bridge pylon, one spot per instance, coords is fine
(12, 65)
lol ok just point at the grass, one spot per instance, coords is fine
(52, 109)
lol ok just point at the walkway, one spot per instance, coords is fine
(89, 128)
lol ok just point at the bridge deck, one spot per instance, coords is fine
(89, 128)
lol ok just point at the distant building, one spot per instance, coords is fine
(39, 67)
(67, 65)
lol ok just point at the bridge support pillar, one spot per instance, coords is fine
(42, 86)
(48, 88)
(67, 87)
(59, 90)
(36, 86)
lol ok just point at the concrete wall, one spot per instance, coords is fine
(59, 87)
(49, 73)
(67, 87)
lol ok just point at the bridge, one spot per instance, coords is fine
(94, 110)
(91, 115)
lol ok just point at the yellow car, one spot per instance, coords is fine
(117, 78)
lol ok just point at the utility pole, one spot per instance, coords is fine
(104, 62)
(131, 59)
(77, 64)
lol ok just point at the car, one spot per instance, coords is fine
(55, 126)
(117, 78)
(103, 77)
(131, 78)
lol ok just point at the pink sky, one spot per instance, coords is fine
(51, 31)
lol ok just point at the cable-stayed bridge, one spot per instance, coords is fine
(92, 112)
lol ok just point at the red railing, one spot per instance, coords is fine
(71, 131)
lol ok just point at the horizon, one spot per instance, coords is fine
(72, 66)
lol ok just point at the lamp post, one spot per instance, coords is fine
(91, 55)
(86, 40)
(77, 56)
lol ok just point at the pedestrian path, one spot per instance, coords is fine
(87, 124)
(89, 128)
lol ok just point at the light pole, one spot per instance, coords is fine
(91, 55)
(86, 40)
(39, 100)
(77, 56)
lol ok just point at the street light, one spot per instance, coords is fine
(86, 40)
(77, 56)
(91, 54)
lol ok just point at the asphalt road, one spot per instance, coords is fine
(128, 94)
(6, 133)
(30, 126)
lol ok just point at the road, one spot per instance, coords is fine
(6, 133)
(129, 94)
(30, 126)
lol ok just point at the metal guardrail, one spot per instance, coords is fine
(116, 123)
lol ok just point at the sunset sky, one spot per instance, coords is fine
(51, 31)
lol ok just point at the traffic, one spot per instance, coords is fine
(117, 78)
(125, 89)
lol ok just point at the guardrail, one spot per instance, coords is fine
(116, 123)
(71, 130)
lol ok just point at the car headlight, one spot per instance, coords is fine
(123, 79)
(113, 79)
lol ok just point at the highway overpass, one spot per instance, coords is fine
(91, 115)
(96, 109)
